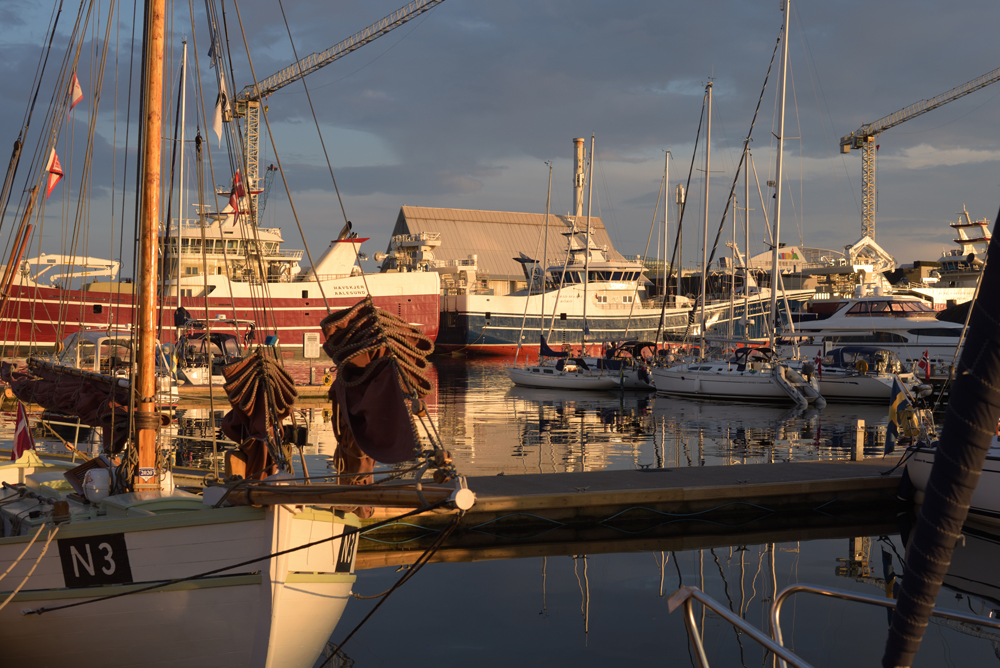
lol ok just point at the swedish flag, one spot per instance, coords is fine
(898, 403)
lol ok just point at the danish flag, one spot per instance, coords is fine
(22, 435)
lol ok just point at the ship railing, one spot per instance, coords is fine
(419, 236)
(686, 596)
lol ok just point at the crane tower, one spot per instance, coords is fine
(864, 139)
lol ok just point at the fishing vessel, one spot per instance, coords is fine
(242, 262)
(614, 293)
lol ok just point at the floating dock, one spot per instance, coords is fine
(534, 515)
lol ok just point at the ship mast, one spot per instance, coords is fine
(146, 419)
(775, 273)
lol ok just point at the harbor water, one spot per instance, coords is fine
(599, 605)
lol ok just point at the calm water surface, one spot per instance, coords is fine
(610, 608)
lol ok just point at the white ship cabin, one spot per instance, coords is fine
(246, 254)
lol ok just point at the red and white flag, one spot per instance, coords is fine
(234, 196)
(55, 172)
(75, 92)
(925, 364)
(22, 435)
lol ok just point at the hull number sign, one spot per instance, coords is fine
(95, 560)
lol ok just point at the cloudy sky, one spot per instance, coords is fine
(463, 106)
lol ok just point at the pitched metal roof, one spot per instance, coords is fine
(496, 237)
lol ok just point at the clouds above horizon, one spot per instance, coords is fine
(462, 106)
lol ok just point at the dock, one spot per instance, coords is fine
(674, 509)
(309, 395)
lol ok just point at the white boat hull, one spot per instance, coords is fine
(273, 612)
(551, 378)
(740, 387)
(985, 505)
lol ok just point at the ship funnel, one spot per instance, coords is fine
(578, 176)
(345, 233)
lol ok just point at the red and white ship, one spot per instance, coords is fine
(248, 276)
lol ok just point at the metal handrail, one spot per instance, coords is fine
(685, 595)
(862, 598)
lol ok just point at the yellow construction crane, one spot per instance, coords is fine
(864, 139)
(247, 101)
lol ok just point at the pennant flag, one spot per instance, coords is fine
(55, 172)
(234, 196)
(213, 50)
(75, 92)
(221, 108)
(925, 364)
(22, 435)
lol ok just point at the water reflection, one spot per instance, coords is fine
(493, 428)
(594, 608)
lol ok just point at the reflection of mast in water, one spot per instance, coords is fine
(661, 562)
(584, 593)
(725, 587)
(544, 611)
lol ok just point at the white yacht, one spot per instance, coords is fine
(859, 373)
(905, 325)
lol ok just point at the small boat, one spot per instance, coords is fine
(205, 347)
(111, 352)
(752, 374)
(859, 373)
(567, 374)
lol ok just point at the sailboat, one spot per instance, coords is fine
(751, 374)
(580, 373)
(109, 564)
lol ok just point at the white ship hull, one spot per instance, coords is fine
(271, 612)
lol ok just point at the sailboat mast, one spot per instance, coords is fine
(586, 260)
(545, 248)
(146, 420)
(746, 240)
(180, 196)
(666, 223)
(778, 177)
(704, 234)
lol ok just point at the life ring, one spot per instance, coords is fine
(861, 366)
(327, 378)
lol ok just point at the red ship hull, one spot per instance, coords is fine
(37, 317)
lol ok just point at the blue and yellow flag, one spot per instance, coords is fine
(899, 401)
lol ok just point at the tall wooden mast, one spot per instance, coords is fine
(146, 418)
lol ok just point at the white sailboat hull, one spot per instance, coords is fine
(273, 612)
(985, 505)
(552, 378)
(741, 387)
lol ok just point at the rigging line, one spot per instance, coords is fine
(128, 138)
(83, 200)
(645, 255)
(680, 221)
(165, 245)
(313, 110)
(200, 167)
(797, 216)
(420, 563)
(611, 210)
(807, 49)
(267, 557)
(281, 170)
(736, 176)
(538, 242)
(208, 144)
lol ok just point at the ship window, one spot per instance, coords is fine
(602, 299)
(562, 316)
(937, 331)
(98, 308)
(627, 299)
(305, 294)
(859, 308)
(548, 371)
